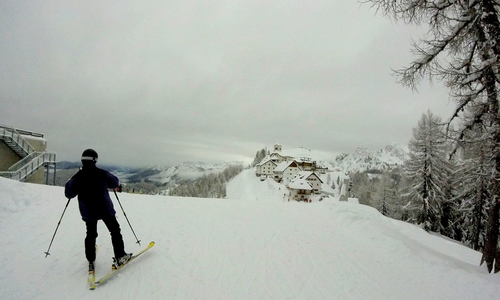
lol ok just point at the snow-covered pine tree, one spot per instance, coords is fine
(472, 190)
(361, 187)
(384, 195)
(451, 216)
(402, 188)
(428, 169)
(384, 207)
(259, 156)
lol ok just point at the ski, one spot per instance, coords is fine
(91, 277)
(113, 272)
(91, 280)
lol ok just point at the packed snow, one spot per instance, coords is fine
(252, 245)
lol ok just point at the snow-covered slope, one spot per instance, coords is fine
(365, 160)
(251, 246)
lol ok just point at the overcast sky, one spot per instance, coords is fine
(149, 83)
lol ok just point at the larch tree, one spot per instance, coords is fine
(472, 191)
(461, 48)
(428, 169)
(384, 195)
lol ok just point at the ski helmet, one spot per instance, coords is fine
(89, 155)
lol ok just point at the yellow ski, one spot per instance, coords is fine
(91, 278)
(107, 276)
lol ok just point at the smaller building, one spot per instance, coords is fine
(278, 157)
(320, 168)
(300, 190)
(313, 180)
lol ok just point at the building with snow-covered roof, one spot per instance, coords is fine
(301, 157)
(300, 189)
(279, 158)
(298, 154)
(266, 168)
(312, 178)
(285, 171)
(320, 168)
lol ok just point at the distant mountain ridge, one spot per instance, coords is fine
(159, 175)
(363, 159)
(187, 171)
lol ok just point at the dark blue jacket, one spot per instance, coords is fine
(91, 185)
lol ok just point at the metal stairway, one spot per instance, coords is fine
(31, 160)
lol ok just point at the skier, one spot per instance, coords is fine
(91, 185)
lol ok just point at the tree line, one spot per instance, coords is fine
(441, 187)
(462, 49)
(208, 186)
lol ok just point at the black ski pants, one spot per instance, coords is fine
(116, 237)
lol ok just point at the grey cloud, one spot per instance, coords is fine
(160, 82)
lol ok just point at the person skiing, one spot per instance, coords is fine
(91, 185)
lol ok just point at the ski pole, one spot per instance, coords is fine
(137, 240)
(57, 227)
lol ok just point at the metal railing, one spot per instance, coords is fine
(22, 171)
(14, 138)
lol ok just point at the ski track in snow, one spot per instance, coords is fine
(252, 245)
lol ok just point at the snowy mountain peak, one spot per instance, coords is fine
(362, 159)
(396, 150)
